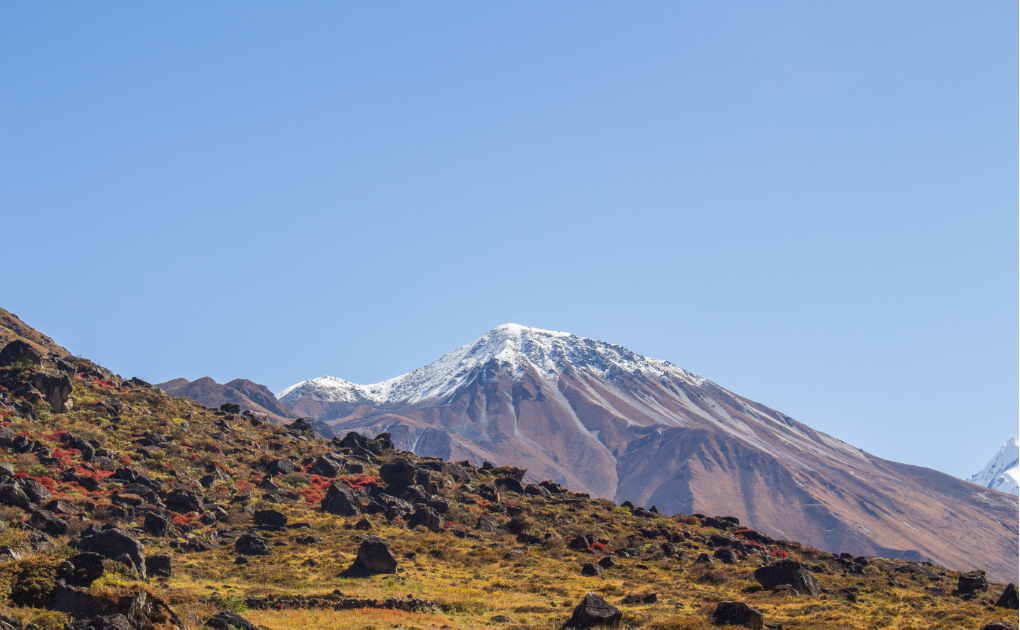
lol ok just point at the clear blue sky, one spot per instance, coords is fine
(813, 204)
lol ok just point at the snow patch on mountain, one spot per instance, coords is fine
(511, 346)
(1003, 472)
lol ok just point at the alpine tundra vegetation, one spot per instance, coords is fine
(125, 507)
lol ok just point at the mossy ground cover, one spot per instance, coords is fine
(470, 576)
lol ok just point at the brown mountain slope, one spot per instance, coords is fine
(12, 328)
(598, 418)
(241, 391)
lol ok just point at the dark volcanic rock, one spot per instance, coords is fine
(426, 517)
(374, 556)
(594, 611)
(590, 569)
(1008, 599)
(340, 500)
(35, 490)
(19, 352)
(82, 569)
(788, 572)
(608, 562)
(115, 544)
(157, 525)
(251, 544)
(999, 625)
(183, 501)
(738, 614)
(55, 389)
(972, 582)
(282, 466)
(49, 522)
(225, 620)
(270, 518)
(159, 565)
(327, 466)
(400, 471)
(728, 556)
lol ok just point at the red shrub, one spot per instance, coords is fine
(780, 554)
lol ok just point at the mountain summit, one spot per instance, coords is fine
(1003, 472)
(600, 418)
(512, 347)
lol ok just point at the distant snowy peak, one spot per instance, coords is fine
(1003, 472)
(511, 346)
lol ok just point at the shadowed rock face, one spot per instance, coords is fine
(640, 430)
(374, 557)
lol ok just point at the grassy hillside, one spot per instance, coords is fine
(127, 455)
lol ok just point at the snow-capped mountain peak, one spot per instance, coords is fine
(512, 346)
(1003, 472)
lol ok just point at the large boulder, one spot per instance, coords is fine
(183, 501)
(270, 518)
(594, 611)
(340, 500)
(282, 466)
(426, 517)
(115, 544)
(251, 544)
(327, 466)
(999, 625)
(738, 614)
(159, 565)
(82, 569)
(55, 389)
(35, 490)
(1008, 599)
(972, 582)
(374, 557)
(399, 472)
(19, 352)
(788, 572)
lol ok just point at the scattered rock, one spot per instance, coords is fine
(594, 611)
(788, 572)
(999, 625)
(400, 471)
(1008, 599)
(225, 620)
(363, 525)
(727, 556)
(426, 517)
(251, 544)
(972, 582)
(374, 557)
(738, 614)
(500, 619)
(183, 501)
(340, 500)
(705, 559)
(282, 466)
(82, 569)
(114, 543)
(159, 565)
(591, 569)
(608, 562)
(19, 352)
(327, 466)
(270, 518)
